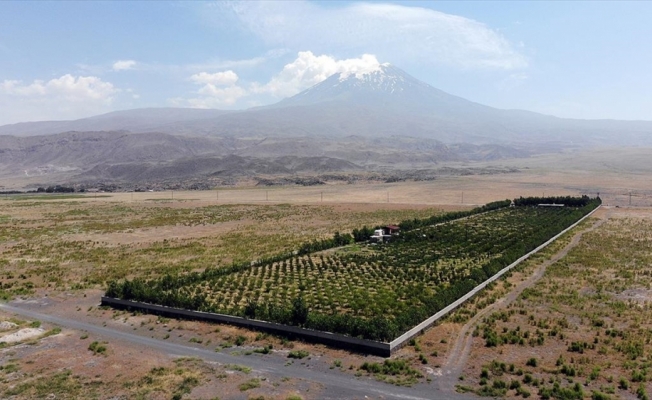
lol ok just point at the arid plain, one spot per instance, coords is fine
(57, 253)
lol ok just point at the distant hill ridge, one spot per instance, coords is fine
(383, 102)
(382, 118)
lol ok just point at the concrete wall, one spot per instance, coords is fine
(331, 339)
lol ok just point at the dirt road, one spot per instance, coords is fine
(336, 384)
(453, 367)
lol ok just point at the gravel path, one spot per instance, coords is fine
(336, 384)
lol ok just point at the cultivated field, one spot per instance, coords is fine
(56, 256)
(371, 291)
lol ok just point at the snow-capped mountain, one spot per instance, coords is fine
(387, 79)
(383, 86)
(382, 101)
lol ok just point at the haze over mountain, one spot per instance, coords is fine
(368, 119)
(384, 101)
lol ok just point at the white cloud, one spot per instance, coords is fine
(71, 88)
(400, 34)
(218, 89)
(222, 89)
(308, 70)
(221, 64)
(124, 65)
(219, 78)
(214, 97)
(60, 98)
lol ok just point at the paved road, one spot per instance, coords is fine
(337, 385)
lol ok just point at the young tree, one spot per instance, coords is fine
(299, 311)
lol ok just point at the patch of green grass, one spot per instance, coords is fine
(250, 384)
(9, 368)
(52, 332)
(240, 368)
(397, 372)
(264, 350)
(62, 385)
(298, 354)
(240, 340)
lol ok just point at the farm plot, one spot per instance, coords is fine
(374, 292)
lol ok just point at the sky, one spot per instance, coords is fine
(68, 60)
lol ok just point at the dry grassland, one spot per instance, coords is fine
(60, 252)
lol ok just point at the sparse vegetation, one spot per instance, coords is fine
(240, 368)
(393, 371)
(250, 384)
(591, 307)
(62, 251)
(61, 240)
(298, 354)
(97, 347)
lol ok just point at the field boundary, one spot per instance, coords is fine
(366, 346)
(333, 339)
(404, 338)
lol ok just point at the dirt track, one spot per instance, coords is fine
(337, 385)
(454, 365)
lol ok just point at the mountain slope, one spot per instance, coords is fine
(229, 166)
(389, 102)
(125, 156)
(137, 120)
(384, 102)
(73, 150)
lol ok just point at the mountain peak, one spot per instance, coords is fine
(383, 78)
(366, 85)
(362, 73)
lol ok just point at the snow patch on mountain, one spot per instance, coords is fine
(381, 78)
(367, 65)
(370, 84)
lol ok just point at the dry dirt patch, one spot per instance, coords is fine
(22, 335)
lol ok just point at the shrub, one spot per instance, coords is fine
(250, 384)
(298, 354)
(97, 348)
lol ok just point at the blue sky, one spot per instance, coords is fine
(67, 60)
